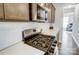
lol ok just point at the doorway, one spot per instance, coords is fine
(68, 22)
(68, 45)
(65, 22)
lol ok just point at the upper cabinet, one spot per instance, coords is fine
(1, 12)
(16, 11)
(51, 13)
(34, 11)
(27, 12)
(43, 12)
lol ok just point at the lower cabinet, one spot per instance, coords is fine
(16, 11)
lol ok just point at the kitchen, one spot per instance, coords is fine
(39, 29)
(15, 20)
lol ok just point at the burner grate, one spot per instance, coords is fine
(41, 42)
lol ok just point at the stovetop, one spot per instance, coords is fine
(41, 42)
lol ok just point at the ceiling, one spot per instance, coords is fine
(63, 4)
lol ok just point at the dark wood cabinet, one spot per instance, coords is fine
(26, 12)
(51, 14)
(1, 12)
(34, 11)
(49, 8)
(16, 11)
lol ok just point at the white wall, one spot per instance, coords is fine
(59, 20)
(58, 17)
(75, 32)
(11, 32)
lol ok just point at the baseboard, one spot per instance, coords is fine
(75, 40)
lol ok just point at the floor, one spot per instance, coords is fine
(68, 46)
(21, 49)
